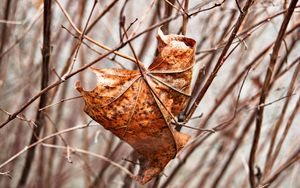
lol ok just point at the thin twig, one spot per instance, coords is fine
(62, 100)
(206, 9)
(291, 161)
(224, 124)
(24, 34)
(272, 102)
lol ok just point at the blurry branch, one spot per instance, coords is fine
(167, 12)
(7, 174)
(25, 149)
(230, 88)
(224, 124)
(56, 129)
(172, 4)
(284, 61)
(11, 22)
(286, 130)
(111, 155)
(200, 165)
(231, 155)
(148, 39)
(24, 34)
(213, 164)
(45, 72)
(265, 90)
(107, 9)
(291, 161)
(77, 150)
(4, 31)
(272, 157)
(289, 66)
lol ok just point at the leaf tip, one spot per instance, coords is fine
(78, 86)
(181, 139)
(94, 70)
(161, 35)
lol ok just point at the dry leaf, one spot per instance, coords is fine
(139, 108)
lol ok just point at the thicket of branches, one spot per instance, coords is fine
(245, 88)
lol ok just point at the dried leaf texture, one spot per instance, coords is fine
(138, 108)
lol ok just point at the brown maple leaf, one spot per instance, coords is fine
(138, 107)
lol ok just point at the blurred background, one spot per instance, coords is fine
(231, 104)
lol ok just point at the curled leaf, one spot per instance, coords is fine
(139, 108)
